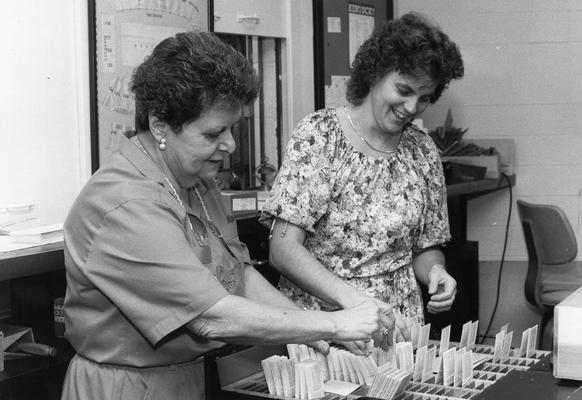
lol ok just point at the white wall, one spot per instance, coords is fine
(44, 106)
(522, 81)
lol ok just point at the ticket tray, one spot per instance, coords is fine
(240, 376)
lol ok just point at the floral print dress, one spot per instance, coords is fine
(364, 216)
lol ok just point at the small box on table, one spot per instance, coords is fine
(239, 202)
(491, 163)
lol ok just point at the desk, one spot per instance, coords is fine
(36, 277)
(31, 261)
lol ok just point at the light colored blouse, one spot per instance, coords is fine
(365, 216)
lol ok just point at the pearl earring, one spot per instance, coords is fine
(163, 144)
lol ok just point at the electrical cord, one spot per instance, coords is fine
(501, 262)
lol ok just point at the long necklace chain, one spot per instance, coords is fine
(363, 138)
(174, 193)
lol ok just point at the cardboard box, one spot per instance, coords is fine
(568, 337)
(490, 162)
(460, 172)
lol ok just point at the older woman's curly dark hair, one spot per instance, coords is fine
(188, 73)
(410, 45)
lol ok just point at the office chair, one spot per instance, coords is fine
(552, 273)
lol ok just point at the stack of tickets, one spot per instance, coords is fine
(389, 382)
(419, 334)
(302, 374)
(347, 367)
(423, 366)
(280, 375)
(387, 373)
(302, 352)
(529, 339)
(288, 378)
(469, 335)
(308, 382)
(381, 357)
(404, 356)
(456, 368)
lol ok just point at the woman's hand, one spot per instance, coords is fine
(357, 347)
(442, 289)
(370, 320)
(320, 346)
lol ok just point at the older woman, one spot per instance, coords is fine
(359, 206)
(156, 274)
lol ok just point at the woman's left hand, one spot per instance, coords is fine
(442, 289)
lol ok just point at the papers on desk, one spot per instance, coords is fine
(11, 240)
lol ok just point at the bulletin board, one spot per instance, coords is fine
(125, 32)
(340, 26)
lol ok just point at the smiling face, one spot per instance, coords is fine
(199, 149)
(397, 99)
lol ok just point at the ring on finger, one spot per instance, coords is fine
(385, 332)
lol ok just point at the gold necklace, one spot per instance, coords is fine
(363, 138)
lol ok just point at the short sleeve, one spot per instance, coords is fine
(143, 263)
(434, 227)
(303, 187)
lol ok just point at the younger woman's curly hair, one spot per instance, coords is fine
(187, 74)
(410, 45)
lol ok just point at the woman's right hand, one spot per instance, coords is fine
(370, 320)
